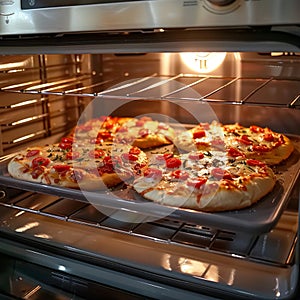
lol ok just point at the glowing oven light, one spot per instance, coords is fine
(203, 62)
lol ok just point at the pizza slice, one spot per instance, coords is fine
(145, 133)
(142, 132)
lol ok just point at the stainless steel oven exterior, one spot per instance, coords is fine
(57, 60)
(42, 16)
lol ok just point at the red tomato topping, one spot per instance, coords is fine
(76, 175)
(181, 175)
(129, 156)
(37, 172)
(72, 155)
(244, 139)
(163, 126)
(99, 141)
(153, 173)
(139, 123)
(103, 135)
(261, 148)
(108, 169)
(196, 156)
(173, 162)
(220, 174)
(198, 134)
(197, 183)
(67, 139)
(107, 160)
(138, 166)
(164, 156)
(97, 153)
(280, 141)
(143, 132)
(269, 137)
(234, 152)
(40, 161)
(254, 162)
(108, 125)
(217, 142)
(65, 146)
(256, 129)
(31, 153)
(61, 168)
(134, 150)
(122, 129)
(108, 166)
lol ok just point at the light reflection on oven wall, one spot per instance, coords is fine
(197, 268)
(201, 63)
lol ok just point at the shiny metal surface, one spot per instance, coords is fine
(144, 15)
(197, 256)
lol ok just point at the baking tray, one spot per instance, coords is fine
(259, 218)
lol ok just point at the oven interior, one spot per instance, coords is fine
(54, 245)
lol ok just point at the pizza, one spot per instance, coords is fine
(204, 180)
(210, 167)
(142, 132)
(99, 153)
(80, 166)
(249, 142)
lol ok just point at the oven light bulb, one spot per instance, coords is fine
(203, 62)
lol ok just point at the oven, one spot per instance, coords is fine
(184, 62)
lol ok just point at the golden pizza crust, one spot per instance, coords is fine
(276, 155)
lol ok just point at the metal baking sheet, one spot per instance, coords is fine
(259, 218)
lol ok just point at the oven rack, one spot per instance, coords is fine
(275, 248)
(37, 108)
(212, 89)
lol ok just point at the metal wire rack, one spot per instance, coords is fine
(257, 248)
(230, 90)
